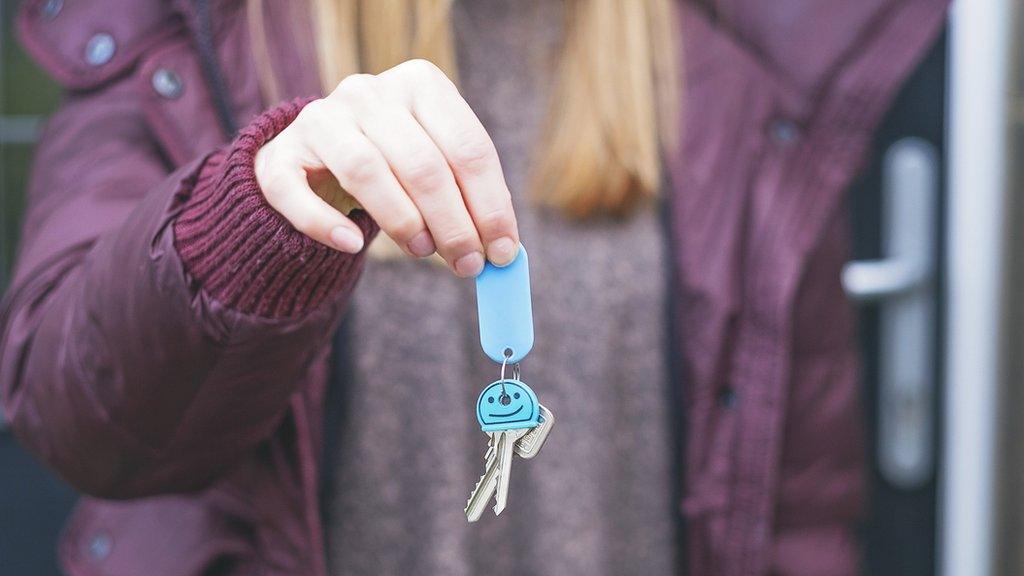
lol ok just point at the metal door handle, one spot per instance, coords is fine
(872, 280)
(903, 283)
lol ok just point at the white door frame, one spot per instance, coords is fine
(977, 159)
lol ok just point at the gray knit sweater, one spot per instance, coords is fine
(598, 499)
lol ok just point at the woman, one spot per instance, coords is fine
(171, 343)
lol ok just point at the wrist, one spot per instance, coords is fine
(243, 253)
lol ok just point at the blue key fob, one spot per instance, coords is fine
(507, 405)
(505, 309)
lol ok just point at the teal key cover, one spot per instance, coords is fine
(507, 407)
(505, 308)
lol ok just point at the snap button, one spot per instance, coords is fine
(784, 131)
(51, 8)
(99, 546)
(100, 49)
(727, 398)
(167, 83)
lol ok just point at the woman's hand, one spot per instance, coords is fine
(410, 150)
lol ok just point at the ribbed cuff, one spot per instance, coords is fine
(241, 251)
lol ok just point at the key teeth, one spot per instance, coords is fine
(479, 483)
(469, 501)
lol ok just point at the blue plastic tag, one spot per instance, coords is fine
(505, 309)
(507, 405)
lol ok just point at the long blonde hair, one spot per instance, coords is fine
(614, 110)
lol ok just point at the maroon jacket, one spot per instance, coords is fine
(165, 339)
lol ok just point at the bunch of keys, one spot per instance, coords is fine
(515, 423)
(508, 410)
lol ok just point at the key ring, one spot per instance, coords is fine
(515, 372)
(515, 367)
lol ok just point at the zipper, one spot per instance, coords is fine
(211, 68)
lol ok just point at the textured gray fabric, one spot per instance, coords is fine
(598, 499)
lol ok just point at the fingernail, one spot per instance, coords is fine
(346, 239)
(422, 245)
(502, 251)
(470, 265)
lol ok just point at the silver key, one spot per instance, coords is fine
(485, 488)
(530, 444)
(492, 481)
(504, 450)
(506, 440)
(526, 443)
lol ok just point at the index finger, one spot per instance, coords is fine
(467, 147)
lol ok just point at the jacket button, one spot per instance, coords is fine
(167, 83)
(100, 49)
(784, 131)
(99, 546)
(727, 398)
(51, 8)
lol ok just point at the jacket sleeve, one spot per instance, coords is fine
(157, 325)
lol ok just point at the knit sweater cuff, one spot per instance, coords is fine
(241, 251)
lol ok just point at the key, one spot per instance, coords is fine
(507, 410)
(488, 484)
(527, 446)
(505, 448)
(530, 444)
(485, 487)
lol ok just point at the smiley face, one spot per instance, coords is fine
(507, 405)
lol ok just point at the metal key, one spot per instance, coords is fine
(505, 447)
(491, 480)
(485, 488)
(529, 444)
(507, 410)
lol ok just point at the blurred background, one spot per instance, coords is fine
(33, 503)
(937, 273)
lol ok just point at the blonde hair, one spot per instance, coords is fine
(614, 111)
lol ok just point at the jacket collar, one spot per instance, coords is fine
(85, 44)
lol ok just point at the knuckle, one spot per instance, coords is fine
(314, 113)
(425, 175)
(422, 68)
(404, 227)
(358, 165)
(495, 222)
(458, 241)
(356, 85)
(474, 154)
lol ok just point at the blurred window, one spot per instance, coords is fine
(33, 503)
(26, 96)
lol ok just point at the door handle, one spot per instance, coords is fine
(902, 283)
